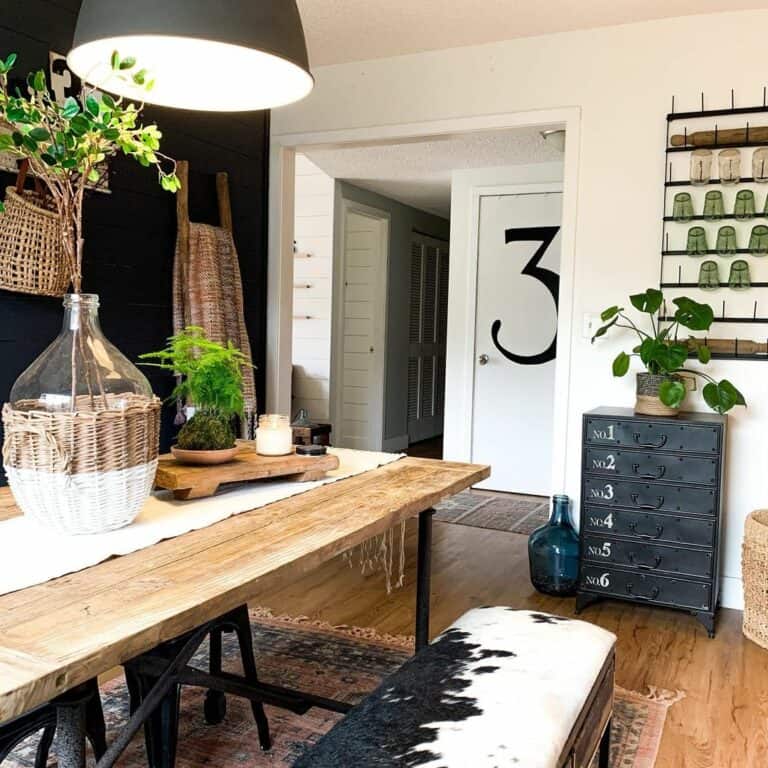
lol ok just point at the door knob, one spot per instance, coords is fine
(483, 359)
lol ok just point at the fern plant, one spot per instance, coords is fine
(210, 379)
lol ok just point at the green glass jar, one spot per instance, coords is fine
(697, 242)
(726, 241)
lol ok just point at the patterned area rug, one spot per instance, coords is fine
(341, 663)
(503, 512)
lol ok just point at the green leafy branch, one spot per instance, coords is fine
(661, 353)
(67, 145)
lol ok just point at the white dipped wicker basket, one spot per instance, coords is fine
(82, 472)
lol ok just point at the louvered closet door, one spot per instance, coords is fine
(427, 335)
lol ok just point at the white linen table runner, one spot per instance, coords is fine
(30, 554)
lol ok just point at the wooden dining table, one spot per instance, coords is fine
(60, 634)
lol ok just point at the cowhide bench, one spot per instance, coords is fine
(499, 688)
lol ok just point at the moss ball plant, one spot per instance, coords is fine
(206, 432)
(210, 379)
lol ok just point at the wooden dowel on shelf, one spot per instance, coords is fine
(720, 136)
(182, 207)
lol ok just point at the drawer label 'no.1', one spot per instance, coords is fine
(605, 433)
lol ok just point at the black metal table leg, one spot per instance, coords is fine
(70, 733)
(423, 578)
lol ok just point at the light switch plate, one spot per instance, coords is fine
(591, 323)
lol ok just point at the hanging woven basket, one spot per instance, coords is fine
(31, 254)
(87, 471)
(754, 564)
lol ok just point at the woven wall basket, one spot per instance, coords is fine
(31, 254)
(84, 472)
(754, 564)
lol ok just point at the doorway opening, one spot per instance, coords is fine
(432, 331)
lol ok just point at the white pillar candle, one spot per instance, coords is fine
(274, 437)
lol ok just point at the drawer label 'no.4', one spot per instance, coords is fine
(601, 522)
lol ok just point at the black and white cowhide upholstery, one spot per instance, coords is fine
(500, 687)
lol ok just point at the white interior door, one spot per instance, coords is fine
(360, 336)
(515, 342)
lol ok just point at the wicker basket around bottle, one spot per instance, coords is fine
(31, 253)
(754, 567)
(87, 471)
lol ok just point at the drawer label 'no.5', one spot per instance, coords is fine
(603, 550)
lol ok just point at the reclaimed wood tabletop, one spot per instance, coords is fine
(59, 634)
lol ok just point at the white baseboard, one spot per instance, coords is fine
(731, 593)
(395, 444)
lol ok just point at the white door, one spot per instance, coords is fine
(515, 343)
(359, 337)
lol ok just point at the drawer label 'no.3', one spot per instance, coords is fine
(606, 492)
(604, 581)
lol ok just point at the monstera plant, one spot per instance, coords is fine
(661, 388)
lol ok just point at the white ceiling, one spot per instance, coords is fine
(340, 31)
(419, 173)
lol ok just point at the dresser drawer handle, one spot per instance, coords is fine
(657, 535)
(650, 476)
(645, 566)
(654, 593)
(660, 444)
(659, 499)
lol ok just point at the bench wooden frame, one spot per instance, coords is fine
(591, 733)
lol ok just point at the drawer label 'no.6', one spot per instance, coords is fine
(604, 581)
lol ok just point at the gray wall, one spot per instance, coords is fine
(404, 220)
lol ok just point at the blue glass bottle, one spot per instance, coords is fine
(553, 552)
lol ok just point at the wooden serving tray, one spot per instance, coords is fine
(196, 482)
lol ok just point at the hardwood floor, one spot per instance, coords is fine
(722, 722)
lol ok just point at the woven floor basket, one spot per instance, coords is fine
(82, 472)
(754, 564)
(31, 254)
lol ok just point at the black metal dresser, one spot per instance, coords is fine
(651, 510)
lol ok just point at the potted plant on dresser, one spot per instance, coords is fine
(211, 382)
(82, 424)
(661, 387)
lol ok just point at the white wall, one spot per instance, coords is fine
(622, 79)
(313, 267)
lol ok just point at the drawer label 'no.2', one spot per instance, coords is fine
(607, 462)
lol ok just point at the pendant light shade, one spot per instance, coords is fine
(217, 55)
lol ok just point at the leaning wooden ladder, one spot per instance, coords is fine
(182, 283)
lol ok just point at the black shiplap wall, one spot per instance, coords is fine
(130, 234)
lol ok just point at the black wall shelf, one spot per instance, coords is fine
(686, 134)
(711, 182)
(715, 221)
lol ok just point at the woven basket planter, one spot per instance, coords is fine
(31, 253)
(754, 565)
(647, 400)
(86, 471)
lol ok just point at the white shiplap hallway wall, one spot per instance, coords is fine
(313, 266)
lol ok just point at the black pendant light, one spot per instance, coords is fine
(218, 55)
